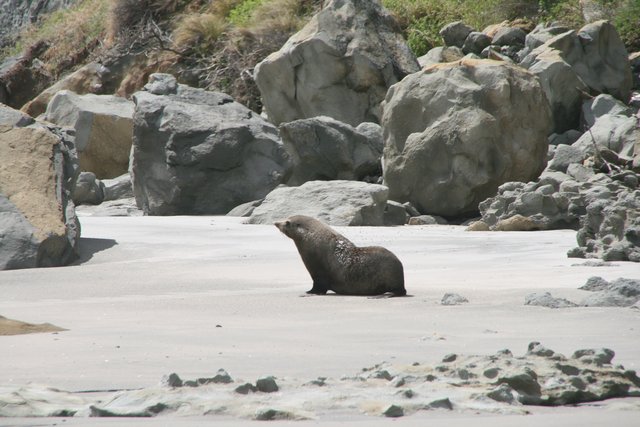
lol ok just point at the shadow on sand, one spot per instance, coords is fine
(88, 247)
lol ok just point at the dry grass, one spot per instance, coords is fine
(71, 34)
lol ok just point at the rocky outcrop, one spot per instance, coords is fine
(14, 15)
(38, 226)
(322, 148)
(339, 65)
(334, 202)
(455, 132)
(479, 384)
(104, 129)
(199, 152)
(573, 63)
(23, 77)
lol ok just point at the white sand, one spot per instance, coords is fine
(191, 295)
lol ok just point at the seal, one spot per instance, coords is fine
(336, 264)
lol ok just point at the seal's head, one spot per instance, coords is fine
(295, 226)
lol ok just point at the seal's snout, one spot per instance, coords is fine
(280, 225)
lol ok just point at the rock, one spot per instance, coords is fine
(104, 128)
(23, 77)
(88, 190)
(564, 156)
(199, 152)
(546, 300)
(87, 79)
(455, 33)
(440, 54)
(119, 207)
(245, 209)
(509, 36)
(610, 229)
(221, 377)
(393, 411)
(427, 220)
(171, 380)
(621, 292)
(614, 132)
(517, 223)
(602, 104)
(267, 385)
(478, 226)
(246, 388)
(274, 414)
(526, 384)
(449, 357)
(340, 65)
(440, 404)
(572, 63)
(594, 284)
(537, 349)
(476, 42)
(446, 151)
(38, 224)
(395, 214)
(539, 35)
(118, 188)
(453, 299)
(15, 118)
(564, 138)
(322, 148)
(334, 202)
(502, 393)
(598, 356)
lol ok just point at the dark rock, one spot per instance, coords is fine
(267, 385)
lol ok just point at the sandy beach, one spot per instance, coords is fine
(153, 296)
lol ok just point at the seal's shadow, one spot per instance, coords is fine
(88, 247)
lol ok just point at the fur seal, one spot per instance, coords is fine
(336, 264)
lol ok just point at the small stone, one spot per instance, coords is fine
(273, 414)
(491, 372)
(408, 393)
(453, 299)
(449, 358)
(393, 411)
(503, 393)
(537, 349)
(246, 388)
(441, 404)
(382, 374)
(398, 382)
(594, 284)
(267, 385)
(222, 377)
(600, 356)
(171, 380)
(464, 374)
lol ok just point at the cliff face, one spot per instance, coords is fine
(15, 14)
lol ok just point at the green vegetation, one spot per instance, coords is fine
(70, 34)
(218, 42)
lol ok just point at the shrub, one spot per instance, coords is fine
(627, 22)
(198, 33)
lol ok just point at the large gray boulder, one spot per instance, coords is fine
(455, 132)
(322, 148)
(104, 129)
(200, 152)
(573, 63)
(334, 202)
(617, 133)
(339, 65)
(38, 225)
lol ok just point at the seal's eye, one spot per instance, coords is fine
(287, 223)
